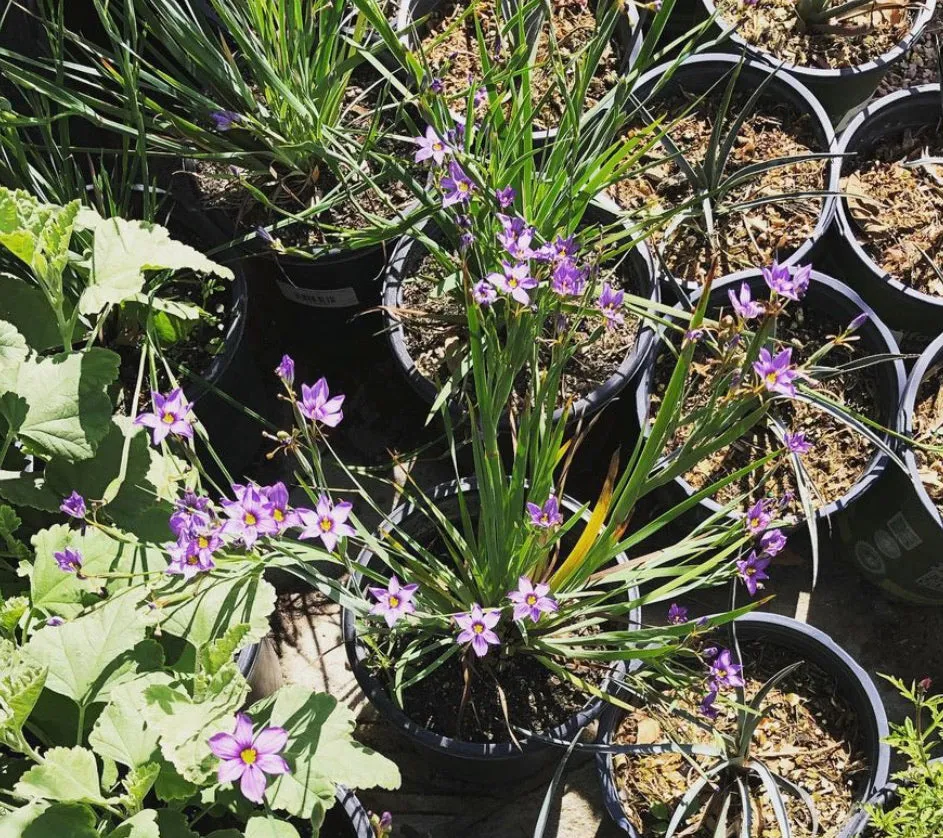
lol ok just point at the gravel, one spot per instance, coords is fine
(920, 65)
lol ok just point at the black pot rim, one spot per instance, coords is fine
(878, 462)
(353, 808)
(861, 692)
(593, 402)
(816, 74)
(823, 124)
(931, 355)
(846, 227)
(403, 21)
(377, 695)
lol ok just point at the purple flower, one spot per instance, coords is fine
(265, 235)
(532, 600)
(724, 672)
(224, 120)
(190, 512)
(772, 542)
(546, 516)
(483, 293)
(69, 560)
(394, 601)
(777, 374)
(436, 85)
(677, 614)
(74, 505)
(516, 281)
(282, 513)
(328, 521)
(169, 416)
(505, 197)
(477, 627)
(786, 282)
(744, 304)
(516, 237)
(456, 186)
(610, 301)
(481, 94)
(752, 571)
(286, 370)
(382, 824)
(249, 758)
(693, 335)
(857, 323)
(193, 556)
(559, 250)
(568, 279)
(250, 515)
(55, 621)
(710, 652)
(796, 443)
(758, 519)
(318, 406)
(431, 146)
(707, 707)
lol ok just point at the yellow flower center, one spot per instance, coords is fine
(721, 673)
(512, 282)
(193, 559)
(462, 186)
(771, 377)
(202, 542)
(545, 518)
(278, 515)
(478, 628)
(168, 418)
(750, 571)
(531, 599)
(437, 146)
(248, 756)
(394, 601)
(326, 524)
(250, 519)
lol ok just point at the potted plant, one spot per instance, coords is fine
(887, 224)
(739, 175)
(832, 424)
(779, 696)
(892, 536)
(839, 50)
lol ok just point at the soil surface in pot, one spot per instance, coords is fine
(435, 332)
(928, 429)
(895, 199)
(838, 457)
(810, 736)
(745, 238)
(367, 109)
(774, 26)
(451, 46)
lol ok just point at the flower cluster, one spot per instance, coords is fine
(768, 542)
(723, 674)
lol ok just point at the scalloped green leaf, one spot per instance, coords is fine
(121, 732)
(266, 826)
(67, 775)
(26, 307)
(21, 684)
(38, 820)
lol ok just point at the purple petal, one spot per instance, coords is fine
(253, 783)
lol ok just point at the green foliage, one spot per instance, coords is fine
(915, 809)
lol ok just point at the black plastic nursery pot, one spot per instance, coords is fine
(627, 38)
(406, 259)
(811, 645)
(480, 763)
(834, 298)
(844, 91)
(895, 537)
(915, 316)
(347, 818)
(701, 73)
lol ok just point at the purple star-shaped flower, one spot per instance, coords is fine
(724, 672)
(532, 600)
(286, 370)
(610, 301)
(796, 443)
(69, 560)
(169, 416)
(224, 120)
(456, 186)
(757, 519)
(569, 280)
(316, 403)
(194, 555)
(483, 293)
(752, 571)
(546, 516)
(786, 282)
(74, 505)
(284, 515)
(248, 758)
(477, 628)
(394, 601)
(772, 542)
(559, 250)
(516, 238)
(250, 515)
(505, 197)
(516, 281)
(328, 521)
(190, 512)
(431, 146)
(677, 614)
(436, 86)
(776, 373)
(744, 304)
(707, 707)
